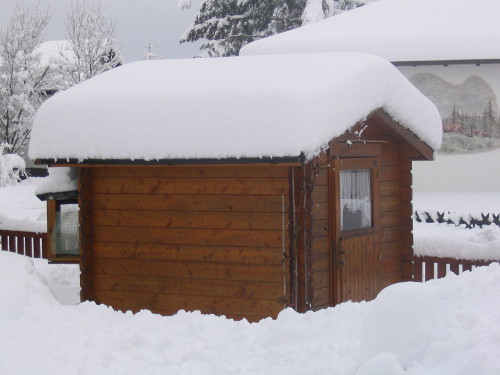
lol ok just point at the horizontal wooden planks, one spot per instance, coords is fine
(188, 186)
(194, 270)
(321, 297)
(193, 238)
(167, 202)
(189, 236)
(189, 219)
(243, 171)
(186, 253)
(171, 302)
(189, 286)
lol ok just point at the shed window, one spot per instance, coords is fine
(64, 234)
(355, 199)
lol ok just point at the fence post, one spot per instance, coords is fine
(28, 250)
(417, 269)
(20, 245)
(45, 254)
(12, 243)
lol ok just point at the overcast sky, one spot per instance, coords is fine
(138, 22)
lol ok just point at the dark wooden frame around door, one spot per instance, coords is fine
(355, 254)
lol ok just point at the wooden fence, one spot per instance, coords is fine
(33, 245)
(428, 268)
(469, 221)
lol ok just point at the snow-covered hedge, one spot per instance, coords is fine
(458, 219)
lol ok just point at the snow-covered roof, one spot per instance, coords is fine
(59, 180)
(237, 107)
(399, 30)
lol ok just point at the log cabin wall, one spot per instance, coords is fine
(210, 238)
(310, 247)
(320, 261)
(395, 206)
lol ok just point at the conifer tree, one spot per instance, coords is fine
(227, 25)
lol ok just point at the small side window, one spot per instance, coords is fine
(63, 226)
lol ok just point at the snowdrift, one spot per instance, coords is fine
(447, 326)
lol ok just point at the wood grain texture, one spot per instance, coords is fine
(242, 171)
(187, 253)
(193, 238)
(190, 219)
(172, 302)
(190, 186)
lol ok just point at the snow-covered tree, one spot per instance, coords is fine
(227, 25)
(12, 167)
(22, 77)
(92, 49)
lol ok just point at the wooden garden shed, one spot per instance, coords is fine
(287, 184)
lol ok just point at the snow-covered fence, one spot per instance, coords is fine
(469, 221)
(427, 268)
(31, 244)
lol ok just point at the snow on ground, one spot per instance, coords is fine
(448, 326)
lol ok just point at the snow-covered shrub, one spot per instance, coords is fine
(12, 167)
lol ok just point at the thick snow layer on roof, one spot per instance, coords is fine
(399, 30)
(59, 180)
(259, 106)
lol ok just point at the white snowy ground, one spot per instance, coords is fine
(459, 186)
(447, 326)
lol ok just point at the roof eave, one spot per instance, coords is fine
(383, 119)
(289, 160)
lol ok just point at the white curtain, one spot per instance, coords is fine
(355, 199)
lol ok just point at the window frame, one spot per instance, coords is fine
(371, 164)
(53, 207)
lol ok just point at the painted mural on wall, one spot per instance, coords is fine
(469, 112)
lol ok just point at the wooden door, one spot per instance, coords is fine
(354, 195)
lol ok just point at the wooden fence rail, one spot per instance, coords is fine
(33, 245)
(428, 268)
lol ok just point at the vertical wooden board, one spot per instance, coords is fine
(417, 270)
(20, 245)
(429, 271)
(37, 248)
(29, 246)
(86, 252)
(454, 267)
(441, 271)
(12, 243)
